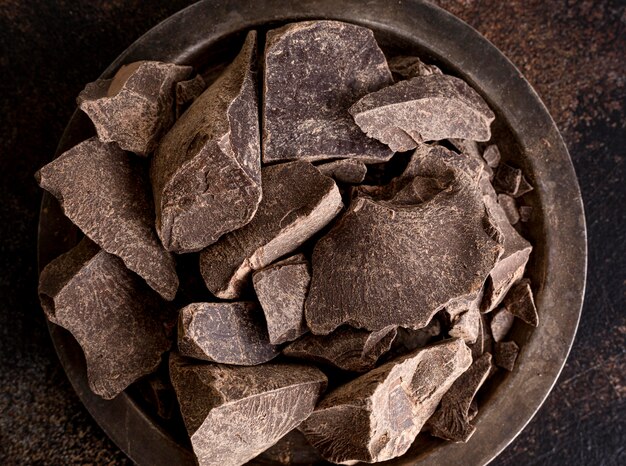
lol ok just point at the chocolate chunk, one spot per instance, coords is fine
(136, 107)
(346, 348)
(429, 253)
(228, 333)
(409, 339)
(510, 208)
(206, 172)
(512, 262)
(466, 326)
(282, 289)
(525, 213)
(501, 324)
(524, 187)
(505, 354)
(345, 170)
(233, 413)
(492, 156)
(470, 149)
(116, 318)
(426, 108)
(484, 341)
(511, 181)
(404, 67)
(187, 91)
(105, 192)
(297, 202)
(292, 449)
(452, 420)
(314, 71)
(377, 416)
(521, 303)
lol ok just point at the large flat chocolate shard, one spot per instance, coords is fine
(521, 303)
(206, 172)
(452, 420)
(281, 289)
(377, 416)
(314, 71)
(406, 67)
(297, 202)
(119, 322)
(426, 108)
(346, 348)
(348, 171)
(234, 413)
(228, 333)
(136, 107)
(106, 193)
(430, 246)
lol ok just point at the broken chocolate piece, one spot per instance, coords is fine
(452, 420)
(345, 170)
(292, 449)
(282, 289)
(492, 156)
(346, 348)
(426, 108)
(509, 206)
(408, 339)
(484, 341)
(157, 390)
(187, 91)
(525, 213)
(404, 67)
(206, 172)
(118, 321)
(505, 354)
(234, 413)
(377, 416)
(136, 107)
(314, 71)
(466, 326)
(523, 188)
(501, 323)
(297, 202)
(508, 180)
(228, 333)
(411, 247)
(521, 303)
(105, 192)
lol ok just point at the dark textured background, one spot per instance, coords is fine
(574, 54)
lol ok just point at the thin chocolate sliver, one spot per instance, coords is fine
(521, 303)
(105, 192)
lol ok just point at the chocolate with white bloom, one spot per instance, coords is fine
(314, 71)
(406, 67)
(119, 322)
(426, 108)
(298, 201)
(206, 172)
(430, 248)
(452, 419)
(349, 171)
(521, 303)
(106, 193)
(377, 416)
(136, 107)
(281, 289)
(346, 348)
(234, 413)
(228, 333)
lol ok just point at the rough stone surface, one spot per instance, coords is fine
(452, 419)
(521, 303)
(105, 192)
(228, 333)
(297, 202)
(119, 322)
(407, 67)
(314, 71)
(136, 107)
(187, 91)
(233, 414)
(206, 172)
(412, 244)
(346, 348)
(505, 354)
(377, 416)
(281, 289)
(426, 108)
(349, 171)
(501, 323)
(509, 206)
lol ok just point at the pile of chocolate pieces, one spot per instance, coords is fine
(356, 231)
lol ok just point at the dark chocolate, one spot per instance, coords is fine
(521, 303)
(505, 354)
(348, 171)
(406, 67)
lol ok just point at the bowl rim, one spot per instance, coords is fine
(200, 25)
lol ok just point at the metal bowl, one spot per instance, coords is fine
(210, 33)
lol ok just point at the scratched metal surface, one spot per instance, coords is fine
(573, 53)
